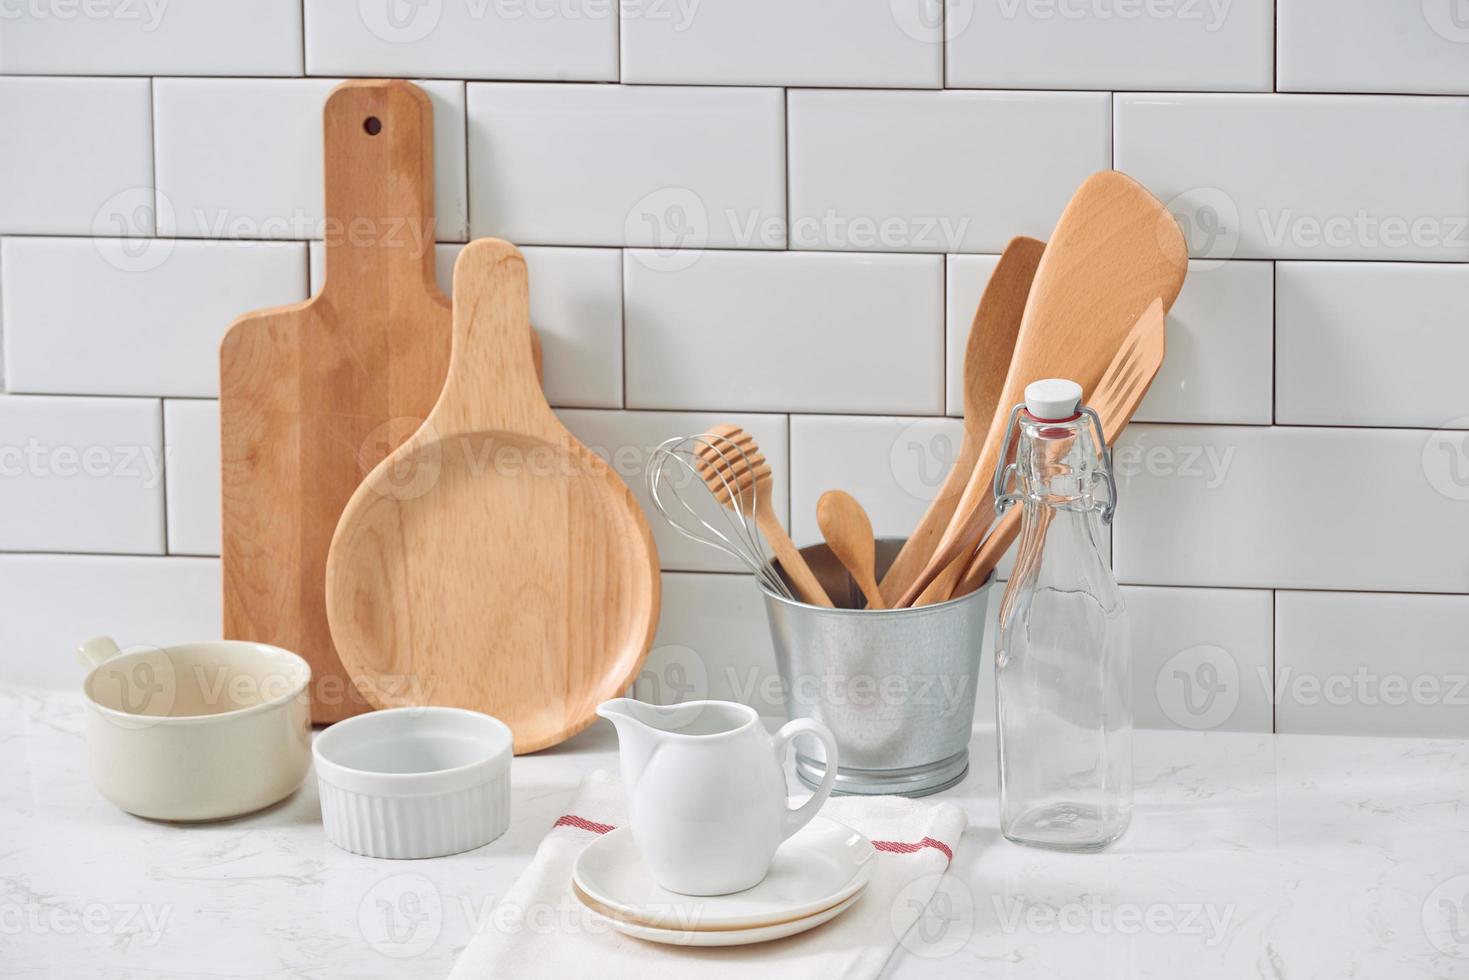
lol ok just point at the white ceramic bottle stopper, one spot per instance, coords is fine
(1052, 400)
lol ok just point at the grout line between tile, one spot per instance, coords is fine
(622, 321)
(786, 154)
(1402, 263)
(468, 176)
(153, 149)
(1274, 666)
(305, 74)
(790, 471)
(163, 469)
(2, 333)
(1274, 343)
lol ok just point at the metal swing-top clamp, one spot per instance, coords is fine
(1060, 400)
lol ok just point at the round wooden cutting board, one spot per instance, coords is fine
(492, 561)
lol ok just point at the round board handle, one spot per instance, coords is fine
(492, 382)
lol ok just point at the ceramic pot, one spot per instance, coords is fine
(198, 731)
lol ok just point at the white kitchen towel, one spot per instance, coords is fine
(539, 929)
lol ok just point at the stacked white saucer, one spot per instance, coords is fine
(815, 876)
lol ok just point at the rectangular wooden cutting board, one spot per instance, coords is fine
(313, 395)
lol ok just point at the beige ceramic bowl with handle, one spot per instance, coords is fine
(198, 731)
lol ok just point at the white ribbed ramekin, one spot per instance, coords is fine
(414, 782)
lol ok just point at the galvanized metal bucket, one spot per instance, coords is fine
(896, 687)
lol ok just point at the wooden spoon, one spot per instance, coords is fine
(512, 572)
(734, 469)
(1115, 250)
(1118, 395)
(986, 362)
(848, 533)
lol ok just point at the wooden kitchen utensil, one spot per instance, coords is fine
(731, 463)
(313, 395)
(986, 362)
(848, 533)
(513, 573)
(1115, 249)
(1117, 397)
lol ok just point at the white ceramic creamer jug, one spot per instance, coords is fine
(706, 790)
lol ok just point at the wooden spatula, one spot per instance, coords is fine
(986, 362)
(513, 573)
(1115, 249)
(1117, 397)
(848, 533)
(313, 395)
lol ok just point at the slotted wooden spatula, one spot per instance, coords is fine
(1117, 397)
(513, 573)
(1115, 249)
(986, 363)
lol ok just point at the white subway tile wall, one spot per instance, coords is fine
(242, 158)
(1204, 46)
(1371, 46)
(1219, 348)
(153, 37)
(53, 602)
(81, 474)
(191, 447)
(1305, 176)
(766, 331)
(1362, 663)
(133, 316)
(782, 214)
(894, 466)
(938, 171)
(1371, 343)
(777, 42)
(76, 151)
(1202, 658)
(668, 166)
(544, 41)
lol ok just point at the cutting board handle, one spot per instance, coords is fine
(492, 381)
(379, 182)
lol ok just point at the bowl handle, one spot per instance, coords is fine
(93, 652)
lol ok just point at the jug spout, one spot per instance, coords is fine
(636, 739)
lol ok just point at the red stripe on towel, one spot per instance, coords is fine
(582, 823)
(904, 847)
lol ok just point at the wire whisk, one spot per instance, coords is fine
(717, 467)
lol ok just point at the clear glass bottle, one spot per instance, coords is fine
(1063, 660)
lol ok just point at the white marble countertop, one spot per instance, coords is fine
(1283, 857)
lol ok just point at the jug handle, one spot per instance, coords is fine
(795, 819)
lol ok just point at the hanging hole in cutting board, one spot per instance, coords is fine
(373, 125)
